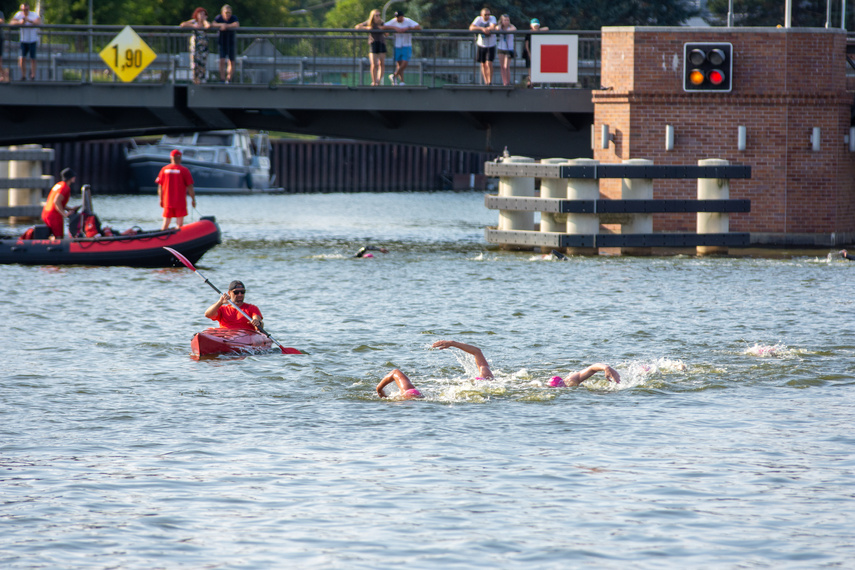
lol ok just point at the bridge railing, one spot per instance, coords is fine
(283, 56)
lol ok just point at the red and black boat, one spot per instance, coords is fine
(214, 341)
(137, 249)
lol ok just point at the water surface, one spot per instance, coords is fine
(727, 444)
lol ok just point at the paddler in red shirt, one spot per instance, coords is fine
(228, 316)
(54, 214)
(174, 182)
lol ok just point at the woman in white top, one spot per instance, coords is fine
(505, 47)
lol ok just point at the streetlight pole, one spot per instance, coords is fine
(386, 5)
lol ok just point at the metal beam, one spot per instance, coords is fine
(558, 206)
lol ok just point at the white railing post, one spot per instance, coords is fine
(713, 222)
(583, 189)
(516, 186)
(637, 189)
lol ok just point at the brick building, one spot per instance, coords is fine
(785, 83)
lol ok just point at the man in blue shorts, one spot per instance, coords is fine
(227, 22)
(403, 45)
(29, 38)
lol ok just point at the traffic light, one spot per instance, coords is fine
(707, 67)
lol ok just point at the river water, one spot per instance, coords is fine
(727, 444)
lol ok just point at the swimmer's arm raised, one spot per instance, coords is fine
(578, 377)
(480, 361)
(388, 379)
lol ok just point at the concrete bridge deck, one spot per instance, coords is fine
(533, 122)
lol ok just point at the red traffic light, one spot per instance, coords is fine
(716, 77)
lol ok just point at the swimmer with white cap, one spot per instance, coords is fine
(407, 390)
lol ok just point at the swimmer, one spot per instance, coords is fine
(574, 379)
(407, 390)
(480, 361)
(845, 255)
(363, 251)
(580, 376)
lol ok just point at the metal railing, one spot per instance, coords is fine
(282, 56)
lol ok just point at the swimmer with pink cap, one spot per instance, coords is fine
(573, 379)
(577, 378)
(407, 390)
(480, 361)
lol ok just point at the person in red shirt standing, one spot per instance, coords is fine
(174, 183)
(55, 214)
(228, 316)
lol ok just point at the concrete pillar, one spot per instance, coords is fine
(511, 186)
(713, 222)
(24, 169)
(583, 224)
(4, 193)
(637, 189)
(553, 188)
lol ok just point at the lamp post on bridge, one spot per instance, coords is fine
(386, 5)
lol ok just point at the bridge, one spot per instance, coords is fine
(299, 81)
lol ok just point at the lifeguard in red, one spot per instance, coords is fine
(55, 213)
(174, 183)
(228, 316)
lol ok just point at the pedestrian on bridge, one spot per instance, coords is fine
(505, 46)
(403, 44)
(29, 38)
(226, 23)
(376, 45)
(2, 41)
(198, 43)
(485, 44)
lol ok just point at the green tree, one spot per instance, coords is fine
(348, 13)
(805, 14)
(258, 13)
(556, 14)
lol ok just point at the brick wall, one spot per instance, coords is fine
(785, 82)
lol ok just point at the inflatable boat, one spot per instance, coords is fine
(138, 248)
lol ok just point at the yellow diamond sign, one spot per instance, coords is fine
(127, 55)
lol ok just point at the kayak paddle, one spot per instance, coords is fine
(186, 262)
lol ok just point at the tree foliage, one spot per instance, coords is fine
(805, 14)
(556, 14)
(435, 14)
(258, 13)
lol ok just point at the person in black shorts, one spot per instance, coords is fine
(226, 22)
(485, 44)
(376, 45)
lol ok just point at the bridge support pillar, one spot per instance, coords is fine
(713, 222)
(583, 224)
(24, 169)
(512, 186)
(553, 188)
(637, 189)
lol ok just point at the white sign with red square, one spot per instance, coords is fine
(554, 59)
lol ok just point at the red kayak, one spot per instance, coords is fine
(234, 341)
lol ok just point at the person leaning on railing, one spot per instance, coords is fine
(226, 23)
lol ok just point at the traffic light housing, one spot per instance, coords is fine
(708, 67)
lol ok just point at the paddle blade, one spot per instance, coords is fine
(181, 258)
(289, 350)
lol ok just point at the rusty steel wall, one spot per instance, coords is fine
(300, 165)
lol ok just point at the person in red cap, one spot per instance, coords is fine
(54, 213)
(174, 183)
